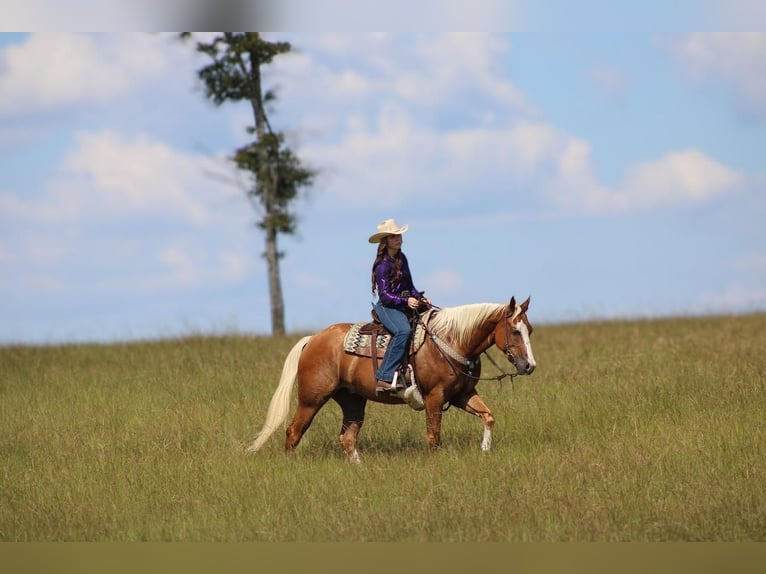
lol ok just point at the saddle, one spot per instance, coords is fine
(373, 327)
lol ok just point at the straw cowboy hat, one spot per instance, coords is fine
(385, 228)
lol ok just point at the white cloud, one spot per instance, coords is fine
(398, 159)
(138, 175)
(687, 175)
(109, 176)
(403, 163)
(333, 66)
(432, 72)
(735, 60)
(678, 177)
(54, 69)
(447, 65)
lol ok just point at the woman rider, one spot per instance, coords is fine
(397, 298)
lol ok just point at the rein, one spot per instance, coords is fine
(448, 352)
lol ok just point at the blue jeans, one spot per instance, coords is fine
(395, 320)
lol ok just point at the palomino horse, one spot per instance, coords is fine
(446, 369)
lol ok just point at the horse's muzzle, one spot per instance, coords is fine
(526, 368)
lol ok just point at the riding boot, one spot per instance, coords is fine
(383, 387)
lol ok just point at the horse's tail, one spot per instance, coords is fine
(280, 402)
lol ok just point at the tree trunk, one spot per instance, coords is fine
(275, 284)
(266, 185)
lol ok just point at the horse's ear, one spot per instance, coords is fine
(512, 304)
(525, 305)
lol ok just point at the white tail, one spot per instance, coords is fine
(280, 402)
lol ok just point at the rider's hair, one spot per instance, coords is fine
(397, 275)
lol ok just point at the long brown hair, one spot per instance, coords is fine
(382, 247)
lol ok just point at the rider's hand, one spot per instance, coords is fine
(412, 303)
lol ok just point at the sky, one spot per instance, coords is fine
(607, 175)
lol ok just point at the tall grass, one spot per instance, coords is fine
(648, 430)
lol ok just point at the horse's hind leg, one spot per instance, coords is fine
(316, 384)
(353, 418)
(475, 405)
(302, 418)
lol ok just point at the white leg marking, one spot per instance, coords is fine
(355, 457)
(486, 442)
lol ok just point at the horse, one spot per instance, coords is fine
(446, 370)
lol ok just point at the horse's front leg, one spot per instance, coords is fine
(475, 405)
(434, 403)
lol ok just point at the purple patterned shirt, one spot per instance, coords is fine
(391, 295)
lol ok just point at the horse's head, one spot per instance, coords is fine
(512, 337)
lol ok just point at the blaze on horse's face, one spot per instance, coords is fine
(512, 335)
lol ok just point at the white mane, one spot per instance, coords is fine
(460, 323)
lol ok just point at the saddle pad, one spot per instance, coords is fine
(358, 344)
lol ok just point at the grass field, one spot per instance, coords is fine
(632, 431)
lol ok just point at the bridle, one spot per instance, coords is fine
(507, 350)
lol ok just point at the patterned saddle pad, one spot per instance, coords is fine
(358, 343)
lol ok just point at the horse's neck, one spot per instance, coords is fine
(474, 340)
(481, 340)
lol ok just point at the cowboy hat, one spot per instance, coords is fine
(385, 228)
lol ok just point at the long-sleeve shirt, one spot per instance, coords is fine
(394, 294)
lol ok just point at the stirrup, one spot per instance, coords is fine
(395, 383)
(405, 376)
(409, 376)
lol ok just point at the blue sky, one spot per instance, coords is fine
(607, 175)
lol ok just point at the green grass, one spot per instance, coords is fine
(635, 431)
